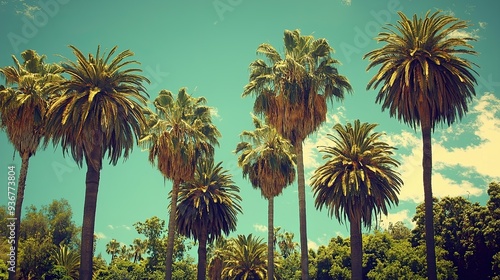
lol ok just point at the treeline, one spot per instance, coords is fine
(467, 246)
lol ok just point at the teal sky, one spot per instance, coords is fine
(207, 46)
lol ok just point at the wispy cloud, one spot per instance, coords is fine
(260, 228)
(483, 24)
(100, 235)
(125, 227)
(347, 2)
(28, 10)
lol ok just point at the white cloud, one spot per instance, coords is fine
(100, 235)
(312, 245)
(478, 159)
(260, 228)
(401, 216)
(464, 34)
(483, 24)
(347, 2)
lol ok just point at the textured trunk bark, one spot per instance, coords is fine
(270, 238)
(304, 257)
(202, 254)
(356, 250)
(89, 210)
(171, 230)
(429, 214)
(21, 185)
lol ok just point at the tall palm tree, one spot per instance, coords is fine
(425, 81)
(23, 105)
(208, 206)
(245, 258)
(292, 92)
(267, 159)
(180, 132)
(99, 111)
(357, 181)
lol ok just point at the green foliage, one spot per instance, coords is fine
(34, 257)
(468, 233)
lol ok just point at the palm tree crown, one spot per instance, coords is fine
(179, 133)
(101, 105)
(358, 179)
(421, 66)
(267, 159)
(245, 258)
(27, 101)
(209, 202)
(292, 91)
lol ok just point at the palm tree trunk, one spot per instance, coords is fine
(202, 254)
(429, 214)
(356, 249)
(304, 258)
(270, 238)
(171, 230)
(89, 210)
(21, 186)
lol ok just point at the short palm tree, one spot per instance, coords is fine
(245, 258)
(180, 132)
(99, 111)
(68, 259)
(357, 182)
(292, 92)
(425, 81)
(216, 265)
(208, 206)
(23, 105)
(139, 247)
(267, 159)
(113, 248)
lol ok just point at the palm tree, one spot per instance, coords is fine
(113, 248)
(356, 182)
(426, 81)
(216, 265)
(139, 247)
(99, 111)
(292, 92)
(267, 159)
(207, 207)
(179, 133)
(245, 258)
(22, 114)
(67, 258)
